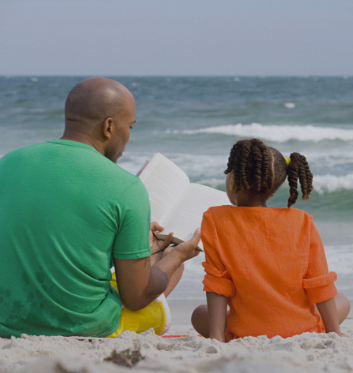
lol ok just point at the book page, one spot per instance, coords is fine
(187, 215)
(165, 183)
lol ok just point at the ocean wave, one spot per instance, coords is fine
(275, 132)
(322, 184)
(332, 183)
(208, 170)
(212, 175)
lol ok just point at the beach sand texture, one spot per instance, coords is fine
(309, 352)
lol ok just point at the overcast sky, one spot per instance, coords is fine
(176, 37)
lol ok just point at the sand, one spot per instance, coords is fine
(147, 352)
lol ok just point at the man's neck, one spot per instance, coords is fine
(79, 137)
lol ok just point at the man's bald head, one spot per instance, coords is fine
(93, 100)
(100, 112)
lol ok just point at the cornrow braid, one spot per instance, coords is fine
(250, 162)
(298, 168)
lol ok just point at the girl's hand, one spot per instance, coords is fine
(156, 244)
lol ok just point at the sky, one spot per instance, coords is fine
(176, 37)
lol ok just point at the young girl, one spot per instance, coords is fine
(267, 264)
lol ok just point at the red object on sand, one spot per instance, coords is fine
(174, 336)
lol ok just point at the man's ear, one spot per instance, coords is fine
(107, 128)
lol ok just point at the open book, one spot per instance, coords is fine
(176, 203)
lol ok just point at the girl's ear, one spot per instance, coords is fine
(232, 185)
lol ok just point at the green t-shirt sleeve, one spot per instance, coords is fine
(134, 215)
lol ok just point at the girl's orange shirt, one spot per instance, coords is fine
(271, 265)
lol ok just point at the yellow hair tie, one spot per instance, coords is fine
(287, 161)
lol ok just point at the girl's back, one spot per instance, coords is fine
(265, 257)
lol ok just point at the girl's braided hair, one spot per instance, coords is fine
(261, 169)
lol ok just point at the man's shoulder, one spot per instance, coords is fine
(128, 177)
(23, 151)
(28, 148)
(120, 181)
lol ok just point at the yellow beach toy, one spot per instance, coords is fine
(156, 315)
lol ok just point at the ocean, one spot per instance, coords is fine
(194, 121)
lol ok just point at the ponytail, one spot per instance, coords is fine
(298, 168)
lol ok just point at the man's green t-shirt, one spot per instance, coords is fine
(65, 212)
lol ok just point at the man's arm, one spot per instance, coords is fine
(139, 283)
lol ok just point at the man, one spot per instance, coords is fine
(67, 213)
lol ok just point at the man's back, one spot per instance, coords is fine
(65, 211)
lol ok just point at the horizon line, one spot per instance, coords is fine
(183, 75)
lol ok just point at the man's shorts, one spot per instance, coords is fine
(156, 315)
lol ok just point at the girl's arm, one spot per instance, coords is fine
(217, 315)
(328, 312)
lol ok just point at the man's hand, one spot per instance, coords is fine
(156, 244)
(139, 283)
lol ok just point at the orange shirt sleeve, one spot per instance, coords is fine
(318, 281)
(217, 279)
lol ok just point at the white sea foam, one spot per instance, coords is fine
(332, 158)
(322, 183)
(276, 133)
(289, 105)
(332, 183)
